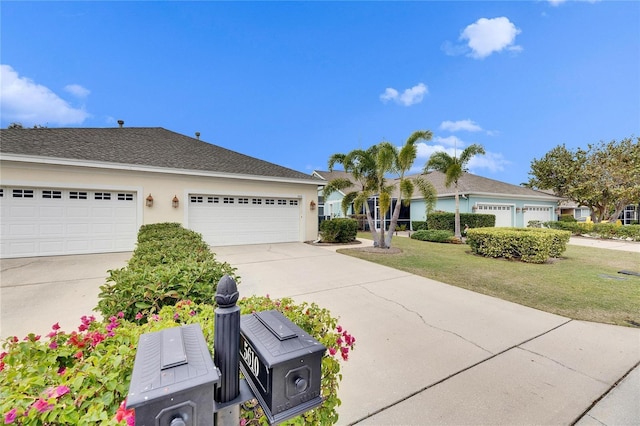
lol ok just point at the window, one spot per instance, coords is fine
(293, 202)
(197, 199)
(282, 202)
(102, 196)
(1, 192)
(228, 200)
(214, 200)
(243, 201)
(23, 193)
(269, 202)
(256, 201)
(125, 197)
(77, 195)
(48, 193)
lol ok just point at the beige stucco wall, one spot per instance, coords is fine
(162, 186)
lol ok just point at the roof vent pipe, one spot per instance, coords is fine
(198, 135)
(121, 123)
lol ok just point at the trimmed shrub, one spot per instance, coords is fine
(446, 220)
(418, 225)
(567, 218)
(170, 263)
(532, 245)
(598, 230)
(339, 230)
(433, 235)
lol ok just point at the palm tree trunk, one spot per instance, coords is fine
(457, 216)
(394, 222)
(372, 226)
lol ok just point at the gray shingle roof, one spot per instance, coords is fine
(142, 146)
(468, 184)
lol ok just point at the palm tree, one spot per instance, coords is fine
(369, 169)
(453, 169)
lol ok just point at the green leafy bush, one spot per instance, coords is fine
(598, 230)
(82, 377)
(339, 230)
(533, 245)
(418, 225)
(433, 235)
(567, 218)
(170, 263)
(446, 220)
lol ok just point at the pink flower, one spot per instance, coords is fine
(339, 329)
(2, 355)
(176, 316)
(339, 340)
(42, 406)
(10, 416)
(52, 334)
(332, 351)
(120, 314)
(62, 370)
(192, 313)
(155, 317)
(55, 326)
(139, 315)
(2, 364)
(243, 422)
(53, 345)
(123, 414)
(78, 355)
(57, 392)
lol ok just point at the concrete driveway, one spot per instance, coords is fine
(426, 352)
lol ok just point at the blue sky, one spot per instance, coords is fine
(295, 82)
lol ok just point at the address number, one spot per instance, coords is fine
(251, 359)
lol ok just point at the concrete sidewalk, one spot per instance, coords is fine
(430, 353)
(426, 352)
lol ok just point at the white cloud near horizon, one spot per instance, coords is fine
(485, 37)
(559, 2)
(22, 100)
(409, 97)
(455, 126)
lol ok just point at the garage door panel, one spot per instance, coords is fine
(66, 221)
(244, 219)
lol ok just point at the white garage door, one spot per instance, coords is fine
(54, 221)
(503, 213)
(541, 213)
(231, 220)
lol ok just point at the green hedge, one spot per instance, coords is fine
(433, 235)
(170, 263)
(446, 221)
(532, 245)
(340, 230)
(598, 230)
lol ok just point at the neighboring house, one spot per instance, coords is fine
(331, 207)
(82, 190)
(513, 206)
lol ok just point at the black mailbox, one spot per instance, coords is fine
(282, 364)
(174, 379)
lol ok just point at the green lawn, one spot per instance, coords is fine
(584, 284)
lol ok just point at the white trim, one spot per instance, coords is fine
(149, 169)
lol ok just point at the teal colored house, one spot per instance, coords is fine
(513, 206)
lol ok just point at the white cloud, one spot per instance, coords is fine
(30, 103)
(409, 97)
(455, 126)
(449, 141)
(487, 36)
(491, 161)
(77, 90)
(559, 2)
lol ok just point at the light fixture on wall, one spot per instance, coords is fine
(149, 201)
(175, 202)
(312, 205)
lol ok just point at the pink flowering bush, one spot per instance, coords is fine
(82, 376)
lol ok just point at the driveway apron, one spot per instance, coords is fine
(430, 353)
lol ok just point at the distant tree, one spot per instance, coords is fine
(16, 125)
(370, 168)
(605, 177)
(453, 168)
